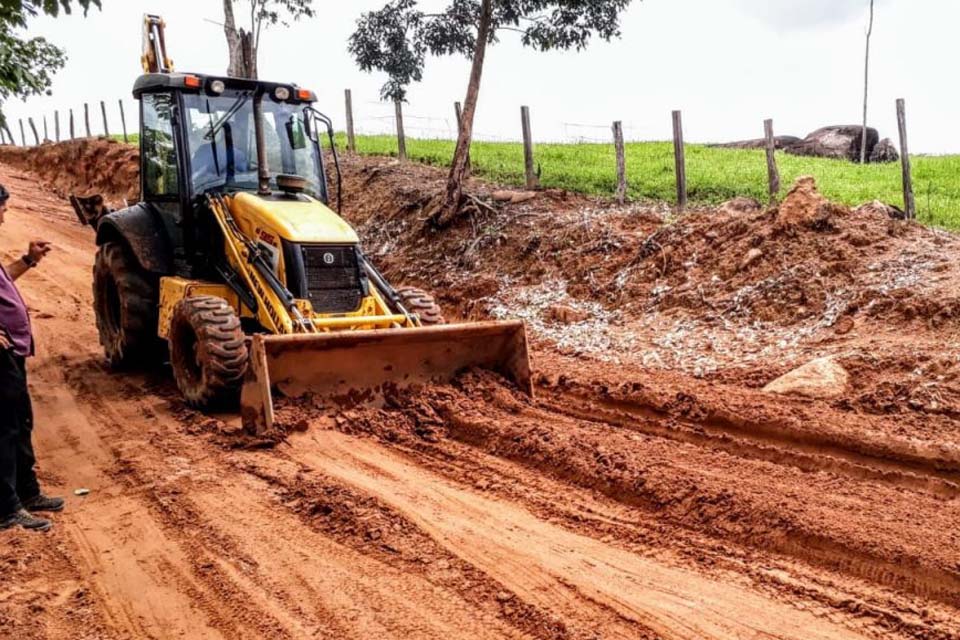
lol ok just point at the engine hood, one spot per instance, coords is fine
(302, 221)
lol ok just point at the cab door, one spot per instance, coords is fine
(162, 178)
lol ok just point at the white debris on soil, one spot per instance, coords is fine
(594, 336)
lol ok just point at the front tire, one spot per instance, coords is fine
(125, 303)
(208, 352)
(421, 303)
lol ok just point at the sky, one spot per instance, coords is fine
(727, 64)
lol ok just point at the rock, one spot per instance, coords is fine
(565, 314)
(504, 596)
(842, 141)
(740, 205)
(752, 256)
(884, 152)
(805, 206)
(882, 208)
(822, 378)
(779, 142)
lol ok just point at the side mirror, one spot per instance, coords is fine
(296, 134)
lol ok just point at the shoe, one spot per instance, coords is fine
(25, 519)
(43, 503)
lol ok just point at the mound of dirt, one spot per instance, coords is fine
(83, 167)
(808, 259)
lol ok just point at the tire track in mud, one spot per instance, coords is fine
(911, 465)
(793, 582)
(693, 506)
(550, 566)
(689, 487)
(280, 579)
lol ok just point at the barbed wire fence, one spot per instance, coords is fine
(382, 119)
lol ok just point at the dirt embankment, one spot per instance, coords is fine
(82, 167)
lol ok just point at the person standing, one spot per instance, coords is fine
(20, 495)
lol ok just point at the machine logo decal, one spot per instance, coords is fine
(328, 258)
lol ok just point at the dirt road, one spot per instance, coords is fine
(468, 512)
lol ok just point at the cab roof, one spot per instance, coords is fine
(200, 83)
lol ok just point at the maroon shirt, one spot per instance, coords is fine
(14, 319)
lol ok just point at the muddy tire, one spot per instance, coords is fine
(125, 303)
(208, 352)
(421, 303)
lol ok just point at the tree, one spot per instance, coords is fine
(27, 65)
(245, 43)
(866, 86)
(397, 39)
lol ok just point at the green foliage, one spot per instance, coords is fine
(276, 11)
(713, 175)
(397, 38)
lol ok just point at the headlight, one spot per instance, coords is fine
(281, 93)
(217, 86)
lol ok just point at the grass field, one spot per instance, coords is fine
(713, 175)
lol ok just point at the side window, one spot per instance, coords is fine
(159, 155)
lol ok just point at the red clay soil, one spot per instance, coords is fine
(651, 489)
(83, 167)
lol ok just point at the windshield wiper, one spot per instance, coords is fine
(232, 111)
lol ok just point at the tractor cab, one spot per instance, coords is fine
(211, 125)
(208, 135)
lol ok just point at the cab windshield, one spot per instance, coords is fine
(223, 145)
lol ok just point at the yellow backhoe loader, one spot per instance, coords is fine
(235, 260)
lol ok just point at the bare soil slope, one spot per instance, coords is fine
(651, 490)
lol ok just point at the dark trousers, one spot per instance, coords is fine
(18, 482)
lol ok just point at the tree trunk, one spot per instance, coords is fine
(235, 43)
(866, 86)
(451, 203)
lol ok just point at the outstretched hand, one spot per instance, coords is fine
(5, 343)
(38, 249)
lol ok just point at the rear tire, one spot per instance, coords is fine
(208, 351)
(125, 300)
(421, 303)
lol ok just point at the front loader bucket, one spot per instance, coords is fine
(357, 367)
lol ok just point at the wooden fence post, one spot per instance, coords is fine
(72, 132)
(621, 162)
(46, 132)
(123, 121)
(680, 161)
(533, 181)
(773, 174)
(103, 110)
(458, 111)
(401, 136)
(23, 133)
(86, 118)
(909, 202)
(351, 136)
(33, 128)
(56, 125)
